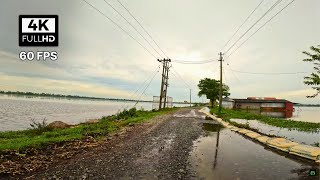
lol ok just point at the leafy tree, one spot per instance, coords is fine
(314, 78)
(210, 88)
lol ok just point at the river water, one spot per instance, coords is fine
(309, 114)
(16, 112)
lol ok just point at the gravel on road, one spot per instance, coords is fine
(157, 149)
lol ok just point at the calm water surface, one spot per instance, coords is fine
(17, 111)
(309, 114)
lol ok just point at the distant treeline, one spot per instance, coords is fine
(73, 96)
(307, 105)
(64, 96)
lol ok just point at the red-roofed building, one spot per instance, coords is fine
(266, 106)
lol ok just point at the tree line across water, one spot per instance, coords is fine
(65, 96)
(19, 93)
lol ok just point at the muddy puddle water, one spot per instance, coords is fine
(294, 135)
(223, 154)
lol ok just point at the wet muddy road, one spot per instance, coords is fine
(178, 146)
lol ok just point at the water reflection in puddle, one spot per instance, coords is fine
(212, 127)
(294, 135)
(223, 154)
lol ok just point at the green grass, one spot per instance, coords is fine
(41, 136)
(228, 114)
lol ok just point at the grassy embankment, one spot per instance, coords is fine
(42, 135)
(228, 114)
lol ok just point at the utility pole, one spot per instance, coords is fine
(166, 84)
(164, 81)
(190, 97)
(220, 91)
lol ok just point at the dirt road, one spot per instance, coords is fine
(177, 146)
(157, 149)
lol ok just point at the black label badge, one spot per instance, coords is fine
(313, 172)
(38, 30)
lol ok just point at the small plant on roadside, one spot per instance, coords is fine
(316, 144)
(125, 114)
(39, 127)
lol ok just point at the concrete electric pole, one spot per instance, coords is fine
(190, 97)
(164, 82)
(220, 91)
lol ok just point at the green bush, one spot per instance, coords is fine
(38, 128)
(125, 114)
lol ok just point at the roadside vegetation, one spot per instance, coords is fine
(313, 79)
(40, 134)
(228, 114)
(210, 88)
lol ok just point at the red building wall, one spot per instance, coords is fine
(289, 109)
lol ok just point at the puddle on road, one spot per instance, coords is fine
(212, 127)
(294, 135)
(223, 154)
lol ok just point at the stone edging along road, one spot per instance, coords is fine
(282, 144)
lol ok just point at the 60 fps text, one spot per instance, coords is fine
(39, 55)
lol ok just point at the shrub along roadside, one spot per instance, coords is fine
(33, 138)
(228, 114)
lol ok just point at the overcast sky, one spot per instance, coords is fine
(97, 59)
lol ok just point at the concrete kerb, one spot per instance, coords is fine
(301, 150)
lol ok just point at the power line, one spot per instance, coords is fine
(182, 81)
(268, 73)
(142, 28)
(146, 88)
(274, 5)
(181, 85)
(187, 85)
(132, 26)
(140, 86)
(120, 28)
(242, 24)
(261, 27)
(194, 62)
(234, 74)
(224, 75)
